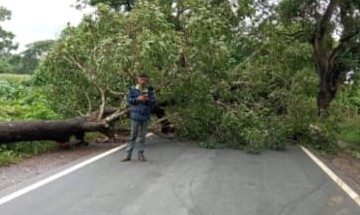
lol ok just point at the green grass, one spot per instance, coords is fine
(19, 101)
(14, 153)
(349, 136)
(14, 77)
(8, 157)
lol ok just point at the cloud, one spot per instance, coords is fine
(40, 19)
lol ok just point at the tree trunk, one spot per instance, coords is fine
(325, 61)
(329, 75)
(62, 130)
(59, 131)
(165, 125)
(324, 97)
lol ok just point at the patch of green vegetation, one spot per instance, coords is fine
(350, 132)
(21, 101)
(18, 78)
(90, 136)
(13, 153)
(349, 136)
(8, 156)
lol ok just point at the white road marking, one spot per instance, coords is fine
(333, 176)
(51, 178)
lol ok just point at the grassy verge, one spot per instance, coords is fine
(349, 136)
(10, 154)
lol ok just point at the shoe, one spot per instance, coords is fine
(142, 158)
(126, 159)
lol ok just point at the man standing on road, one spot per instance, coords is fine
(140, 99)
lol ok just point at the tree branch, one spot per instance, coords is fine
(116, 115)
(103, 103)
(324, 20)
(89, 103)
(115, 92)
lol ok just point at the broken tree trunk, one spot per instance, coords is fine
(62, 130)
(57, 130)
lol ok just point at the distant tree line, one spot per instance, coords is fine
(24, 62)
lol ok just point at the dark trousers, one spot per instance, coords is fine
(137, 126)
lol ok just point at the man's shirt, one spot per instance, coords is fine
(140, 110)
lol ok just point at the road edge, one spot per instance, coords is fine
(60, 174)
(346, 188)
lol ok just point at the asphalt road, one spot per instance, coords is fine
(182, 179)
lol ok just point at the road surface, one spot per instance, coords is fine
(180, 178)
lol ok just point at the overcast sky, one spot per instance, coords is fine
(34, 20)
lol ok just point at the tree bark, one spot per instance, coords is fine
(62, 130)
(59, 131)
(165, 125)
(326, 63)
(329, 79)
(326, 94)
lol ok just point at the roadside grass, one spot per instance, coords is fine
(349, 136)
(8, 157)
(10, 154)
(14, 77)
(14, 153)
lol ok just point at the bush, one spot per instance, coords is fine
(21, 101)
(7, 156)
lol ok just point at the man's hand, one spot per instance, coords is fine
(143, 98)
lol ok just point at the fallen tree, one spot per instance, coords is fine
(57, 130)
(61, 130)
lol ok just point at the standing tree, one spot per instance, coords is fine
(32, 55)
(27, 61)
(332, 27)
(6, 37)
(6, 42)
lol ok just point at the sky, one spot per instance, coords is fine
(34, 20)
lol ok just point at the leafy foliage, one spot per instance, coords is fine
(332, 27)
(20, 101)
(240, 77)
(6, 37)
(104, 54)
(225, 83)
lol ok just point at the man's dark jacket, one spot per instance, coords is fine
(140, 110)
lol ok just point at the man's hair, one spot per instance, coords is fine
(143, 75)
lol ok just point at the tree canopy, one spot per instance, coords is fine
(6, 37)
(241, 74)
(6, 42)
(332, 27)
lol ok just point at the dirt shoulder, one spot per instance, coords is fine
(346, 167)
(34, 166)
